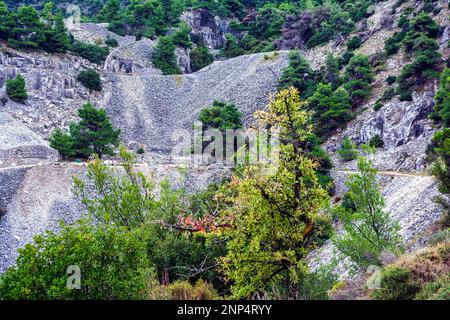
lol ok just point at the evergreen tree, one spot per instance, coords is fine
(331, 74)
(16, 89)
(7, 21)
(90, 79)
(94, 134)
(275, 215)
(164, 56)
(29, 30)
(200, 58)
(442, 107)
(64, 143)
(358, 78)
(369, 230)
(348, 150)
(222, 116)
(299, 75)
(331, 109)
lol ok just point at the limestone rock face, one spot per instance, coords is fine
(210, 29)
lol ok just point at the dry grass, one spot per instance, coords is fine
(428, 264)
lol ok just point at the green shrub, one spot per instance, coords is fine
(345, 58)
(90, 79)
(164, 56)
(298, 74)
(200, 58)
(396, 284)
(378, 105)
(391, 80)
(16, 89)
(353, 43)
(437, 290)
(111, 42)
(181, 36)
(315, 285)
(376, 142)
(112, 260)
(91, 52)
(348, 150)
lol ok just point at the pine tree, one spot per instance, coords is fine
(331, 75)
(16, 89)
(299, 75)
(164, 56)
(331, 108)
(368, 229)
(348, 150)
(358, 78)
(94, 134)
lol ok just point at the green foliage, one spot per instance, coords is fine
(441, 110)
(391, 80)
(164, 56)
(376, 141)
(26, 28)
(419, 40)
(396, 284)
(90, 79)
(437, 290)
(369, 230)
(94, 134)
(274, 215)
(91, 52)
(331, 74)
(112, 261)
(127, 199)
(441, 148)
(200, 58)
(231, 48)
(181, 37)
(299, 75)
(315, 285)
(378, 105)
(331, 109)
(221, 115)
(16, 89)
(353, 43)
(111, 42)
(348, 150)
(358, 78)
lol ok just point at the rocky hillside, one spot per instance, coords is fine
(148, 106)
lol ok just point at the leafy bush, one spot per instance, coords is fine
(111, 42)
(112, 260)
(353, 43)
(315, 285)
(376, 142)
(391, 80)
(181, 36)
(378, 105)
(200, 58)
(90, 79)
(441, 111)
(164, 56)
(93, 53)
(348, 150)
(16, 89)
(396, 284)
(221, 115)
